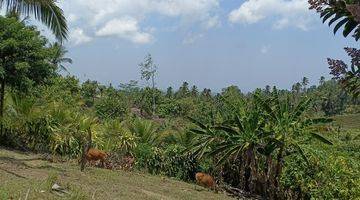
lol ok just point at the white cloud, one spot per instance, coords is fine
(173, 8)
(265, 49)
(126, 28)
(191, 38)
(71, 18)
(77, 36)
(286, 12)
(97, 15)
(212, 22)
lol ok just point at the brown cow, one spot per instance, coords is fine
(95, 155)
(206, 180)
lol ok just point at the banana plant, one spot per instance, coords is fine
(234, 139)
(289, 126)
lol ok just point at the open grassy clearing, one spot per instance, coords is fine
(350, 121)
(24, 173)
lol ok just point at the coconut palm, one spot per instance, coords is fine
(45, 11)
(58, 57)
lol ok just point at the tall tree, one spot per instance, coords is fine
(183, 90)
(296, 88)
(169, 92)
(45, 11)
(58, 56)
(148, 70)
(194, 91)
(267, 89)
(206, 93)
(304, 83)
(89, 90)
(24, 58)
(322, 80)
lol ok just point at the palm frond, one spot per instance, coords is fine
(302, 153)
(321, 138)
(45, 11)
(198, 123)
(300, 108)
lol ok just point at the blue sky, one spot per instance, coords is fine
(209, 43)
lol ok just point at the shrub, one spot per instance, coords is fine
(329, 176)
(113, 105)
(117, 137)
(169, 161)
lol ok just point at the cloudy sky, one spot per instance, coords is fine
(210, 43)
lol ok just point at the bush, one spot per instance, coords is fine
(169, 161)
(113, 105)
(329, 176)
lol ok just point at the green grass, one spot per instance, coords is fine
(24, 174)
(351, 121)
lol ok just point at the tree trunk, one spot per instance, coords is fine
(2, 98)
(278, 170)
(153, 95)
(270, 189)
(279, 164)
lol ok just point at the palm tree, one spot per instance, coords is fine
(58, 57)
(304, 83)
(45, 11)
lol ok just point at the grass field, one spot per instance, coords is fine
(351, 121)
(25, 176)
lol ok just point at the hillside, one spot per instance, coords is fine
(350, 121)
(22, 174)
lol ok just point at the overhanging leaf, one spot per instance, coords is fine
(321, 138)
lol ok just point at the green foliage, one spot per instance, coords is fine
(329, 98)
(146, 131)
(113, 104)
(333, 172)
(58, 58)
(265, 142)
(25, 124)
(147, 98)
(169, 161)
(46, 11)
(344, 13)
(261, 131)
(30, 65)
(118, 138)
(89, 90)
(148, 70)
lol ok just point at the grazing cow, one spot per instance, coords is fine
(205, 180)
(95, 155)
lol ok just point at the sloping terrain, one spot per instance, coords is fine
(25, 176)
(350, 121)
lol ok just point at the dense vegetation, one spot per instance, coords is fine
(273, 142)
